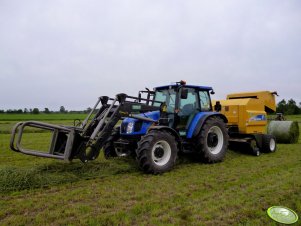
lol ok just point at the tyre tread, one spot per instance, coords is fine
(206, 156)
(145, 146)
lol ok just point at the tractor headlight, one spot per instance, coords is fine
(130, 127)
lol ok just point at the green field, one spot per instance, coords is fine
(238, 191)
(7, 121)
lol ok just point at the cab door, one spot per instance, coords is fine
(187, 108)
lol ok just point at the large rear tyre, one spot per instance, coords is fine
(212, 142)
(157, 152)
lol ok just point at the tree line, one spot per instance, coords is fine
(289, 107)
(62, 109)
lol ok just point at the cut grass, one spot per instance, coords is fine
(41, 117)
(7, 121)
(6, 126)
(238, 191)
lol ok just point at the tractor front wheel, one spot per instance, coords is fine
(108, 148)
(157, 152)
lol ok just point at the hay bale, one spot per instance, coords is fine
(286, 132)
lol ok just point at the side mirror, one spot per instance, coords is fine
(212, 92)
(218, 106)
(139, 97)
(184, 93)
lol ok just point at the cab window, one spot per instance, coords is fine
(189, 105)
(205, 101)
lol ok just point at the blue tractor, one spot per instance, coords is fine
(170, 119)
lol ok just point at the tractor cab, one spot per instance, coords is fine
(182, 102)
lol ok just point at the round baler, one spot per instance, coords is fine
(248, 122)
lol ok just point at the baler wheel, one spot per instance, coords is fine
(269, 143)
(254, 150)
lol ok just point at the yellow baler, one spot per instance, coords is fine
(247, 118)
(248, 111)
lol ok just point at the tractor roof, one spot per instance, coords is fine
(187, 86)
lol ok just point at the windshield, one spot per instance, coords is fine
(168, 96)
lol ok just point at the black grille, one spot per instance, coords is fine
(137, 126)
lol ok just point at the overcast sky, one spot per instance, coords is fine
(69, 52)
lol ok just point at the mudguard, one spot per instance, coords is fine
(170, 130)
(199, 120)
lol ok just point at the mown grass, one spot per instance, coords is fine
(238, 191)
(41, 117)
(7, 121)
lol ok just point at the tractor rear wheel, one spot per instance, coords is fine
(212, 142)
(157, 152)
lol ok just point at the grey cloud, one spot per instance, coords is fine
(55, 53)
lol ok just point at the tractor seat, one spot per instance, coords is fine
(187, 110)
(187, 113)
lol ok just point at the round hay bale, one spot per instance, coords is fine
(286, 132)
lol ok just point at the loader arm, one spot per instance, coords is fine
(85, 141)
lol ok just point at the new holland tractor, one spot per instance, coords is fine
(168, 120)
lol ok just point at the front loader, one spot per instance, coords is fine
(84, 141)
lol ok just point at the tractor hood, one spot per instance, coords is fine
(132, 126)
